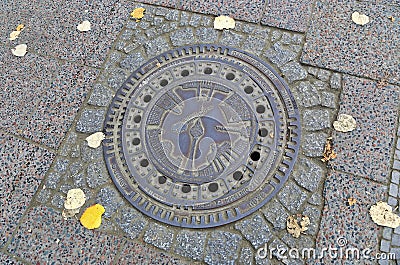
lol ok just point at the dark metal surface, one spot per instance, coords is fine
(201, 136)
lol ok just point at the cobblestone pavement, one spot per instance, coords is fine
(59, 92)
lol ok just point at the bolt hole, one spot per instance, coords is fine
(208, 71)
(137, 118)
(248, 90)
(185, 73)
(164, 82)
(213, 187)
(186, 188)
(260, 109)
(230, 76)
(147, 98)
(162, 179)
(263, 132)
(144, 163)
(136, 141)
(255, 156)
(237, 175)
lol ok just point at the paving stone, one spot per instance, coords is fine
(246, 257)
(368, 105)
(396, 252)
(231, 38)
(159, 236)
(222, 248)
(134, 253)
(22, 168)
(58, 200)
(293, 71)
(342, 221)
(131, 222)
(89, 154)
(255, 229)
(328, 100)
(52, 180)
(116, 78)
(45, 238)
(362, 48)
(286, 14)
(300, 243)
(69, 142)
(315, 120)
(314, 144)
(314, 214)
(292, 197)
(190, 244)
(320, 85)
(308, 175)
(308, 95)
(90, 121)
(184, 21)
(247, 10)
(324, 75)
(61, 165)
(75, 167)
(275, 213)
(397, 230)
(206, 35)
(316, 199)
(79, 180)
(182, 37)
(393, 202)
(8, 260)
(43, 195)
(97, 174)
(278, 55)
(132, 61)
(393, 190)
(254, 44)
(336, 81)
(111, 199)
(156, 46)
(396, 240)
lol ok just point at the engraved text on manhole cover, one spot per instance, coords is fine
(201, 136)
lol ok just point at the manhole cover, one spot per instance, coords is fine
(201, 136)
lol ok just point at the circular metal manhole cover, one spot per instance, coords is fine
(201, 136)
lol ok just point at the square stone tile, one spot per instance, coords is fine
(349, 226)
(247, 10)
(366, 150)
(22, 167)
(287, 14)
(134, 253)
(59, 104)
(335, 42)
(45, 238)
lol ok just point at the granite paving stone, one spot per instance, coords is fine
(278, 55)
(45, 238)
(286, 14)
(111, 199)
(222, 248)
(131, 222)
(182, 37)
(292, 197)
(314, 144)
(231, 38)
(255, 229)
(375, 111)
(276, 214)
(293, 71)
(246, 256)
(307, 95)
(315, 120)
(97, 174)
(190, 244)
(335, 42)
(309, 174)
(206, 35)
(314, 214)
(90, 121)
(159, 236)
(350, 222)
(139, 253)
(22, 167)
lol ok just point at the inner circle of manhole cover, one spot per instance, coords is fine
(201, 136)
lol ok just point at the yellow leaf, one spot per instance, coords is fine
(20, 27)
(91, 217)
(329, 153)
(138, 13)
(351, 201)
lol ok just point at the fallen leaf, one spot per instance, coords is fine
(224, 22)
(351, 201)
(20, 27)
(14, 35)
(382, 214)
(84, 26)
(95, 139)
(75, 199)
(19, 50)
(91, 217)
(67, 213)
(328, 151)
(360, 19)
(294, 228)
(391, 18)
(344, 123)
(138, 13)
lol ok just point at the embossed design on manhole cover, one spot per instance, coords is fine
(201, 136)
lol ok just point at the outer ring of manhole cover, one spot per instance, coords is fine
(201, 136)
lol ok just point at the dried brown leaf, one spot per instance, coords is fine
(294, 228)
(351, 201)
(382, 214)
(329, 153)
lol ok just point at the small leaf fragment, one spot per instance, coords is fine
(351, 201)
(84, 26)
(344, 123)
(138, 13)
(360, 19)
(19, 50)
(224, 22)
(382, 214)
(14, 35)
(294, 228)
(67, 213)
(329, 153)
(75, 199)
(95, 139)
(391, 18)
(20, 27)
(91, 217)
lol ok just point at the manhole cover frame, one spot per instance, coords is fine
(180, 216)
